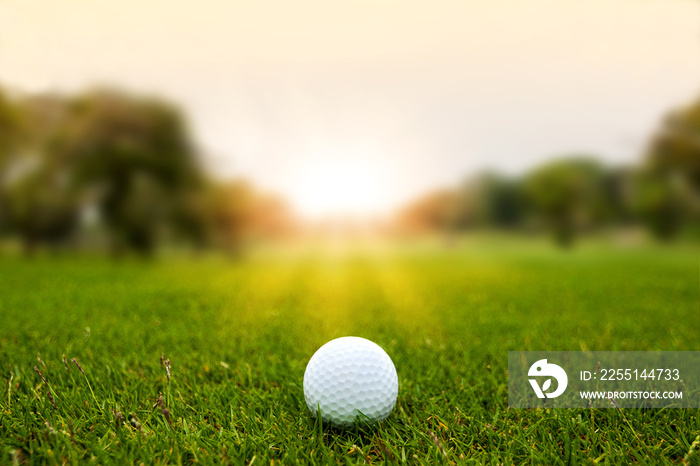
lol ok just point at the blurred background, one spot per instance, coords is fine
(135, 127)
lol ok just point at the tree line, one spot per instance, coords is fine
(119, 171)
(575, 193)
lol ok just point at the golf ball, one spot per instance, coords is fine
(351, 379)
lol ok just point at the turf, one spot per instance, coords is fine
(237, 337)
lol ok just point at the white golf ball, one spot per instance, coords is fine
(351, 379)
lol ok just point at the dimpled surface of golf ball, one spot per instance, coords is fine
(351, 379)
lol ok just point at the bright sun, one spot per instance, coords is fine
(352, 185)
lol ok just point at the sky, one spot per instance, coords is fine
(363, 105)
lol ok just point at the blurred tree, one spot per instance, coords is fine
(38, 204)
(271, 217)
(192, 218)
(11, 137)
(230, 214)
(669, 189)
(676, 146)
(41, 208)
(618, 194)
(129, 161)
(568, 195)
(134, 159)
(440, 211)
(10, 126)
(231, 207)
(660, 201)
(499, 200)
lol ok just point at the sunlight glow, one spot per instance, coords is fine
(345, 185)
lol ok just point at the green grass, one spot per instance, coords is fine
(238, 337)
